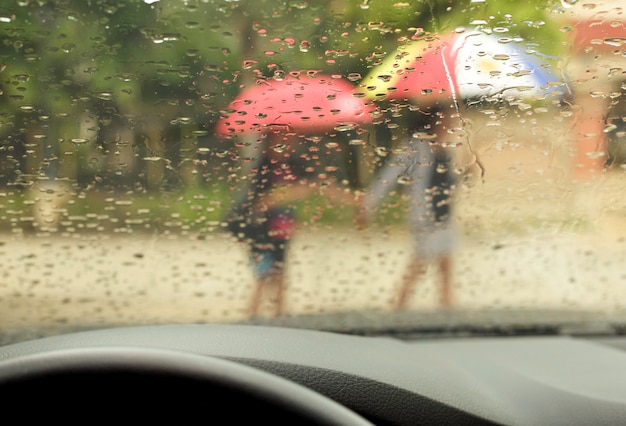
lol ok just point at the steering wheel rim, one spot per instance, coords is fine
(124, 377)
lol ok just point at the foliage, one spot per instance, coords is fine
(126, 93)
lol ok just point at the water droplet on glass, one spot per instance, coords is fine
(304, 46)
(249, 64)
(279, 148)
(6, 17)
(381, 151)
(22, 77)
(595, 154)
(404, 180)
(105, 96)
(299, 4)
(345, 127)
(68, 47)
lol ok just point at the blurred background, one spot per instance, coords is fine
(108, 116)
(100, 99)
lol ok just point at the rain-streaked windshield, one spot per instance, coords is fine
(224, 161)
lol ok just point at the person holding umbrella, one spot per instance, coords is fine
(423, 168)
(429, 72)
(265, 216)
(282, 112)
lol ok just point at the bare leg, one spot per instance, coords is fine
(278, 281)
(445, 269)
(413, 271)
(257, 296)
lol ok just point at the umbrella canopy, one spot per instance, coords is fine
(460, 66)
(304, 103)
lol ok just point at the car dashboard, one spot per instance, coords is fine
(513, 380)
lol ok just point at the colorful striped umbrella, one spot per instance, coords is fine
(461, 66)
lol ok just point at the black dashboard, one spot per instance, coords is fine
(513, 381)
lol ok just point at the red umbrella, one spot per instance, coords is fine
(302, 102)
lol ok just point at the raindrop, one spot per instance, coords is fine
(595, 154)
(345, 127)
(125, 76)
(249, 64)
(6, 17)
(522, 73)
(299, 4)
(404, 180)
(105, 96)
(381, 151)
(304, 46)
(22, 77)
(79, 141)
(279, 148)
(68, 47)
(609, 128)
(615, 41)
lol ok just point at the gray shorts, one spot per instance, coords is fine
(434, 240)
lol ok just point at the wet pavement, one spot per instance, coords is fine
(109, 280)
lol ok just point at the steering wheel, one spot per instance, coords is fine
(119, 383)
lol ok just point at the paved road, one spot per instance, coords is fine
(112, 279)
